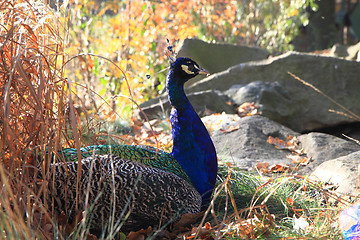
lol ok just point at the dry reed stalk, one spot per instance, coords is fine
(33, 98)
(37, 115)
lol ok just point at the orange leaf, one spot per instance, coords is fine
(230, 129)
(291, 144)
(247, 109)
(290, 201)
(262, 167)
(302, 160)
(277, 142)
(279, 168)
(207, 226)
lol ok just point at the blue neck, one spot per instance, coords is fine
(192, 145)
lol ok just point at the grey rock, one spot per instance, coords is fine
(203, 102)
(217, 57)
(342, 171)
(336, 77)
(322, 147)
(274, 101)
(347, 52)
(248, 145)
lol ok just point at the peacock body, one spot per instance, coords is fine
(111, 186)
(154, 185)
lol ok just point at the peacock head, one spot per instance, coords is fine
(185, 69)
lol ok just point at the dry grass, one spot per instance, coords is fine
(38, 116)
(35, 103)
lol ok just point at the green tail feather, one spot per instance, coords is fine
(143, 154)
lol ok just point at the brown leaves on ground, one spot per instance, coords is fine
(139, 235)
(187, 219)
(205, 232)
(276, 168)
(247, 109)
(291, 143)
(300, 160)
(152, 133)
(181, 227)
(264, 167)
(260, 224)
(43, 222)
(297, 156)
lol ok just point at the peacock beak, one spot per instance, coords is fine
(203, 71)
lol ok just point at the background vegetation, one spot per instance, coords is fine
(133, 34)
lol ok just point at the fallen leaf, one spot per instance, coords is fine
(277, 142)
(230, 129)
(205, 232)
(262, 167)
(139, 235)
(275, 168)
(258, 225)
(290, 201)
(301, 160)
(292, 144)
(247, 109)
(187, 219)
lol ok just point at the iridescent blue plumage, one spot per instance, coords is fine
(192, 145)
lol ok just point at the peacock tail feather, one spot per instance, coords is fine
(146, 155)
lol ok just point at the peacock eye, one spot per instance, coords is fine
(189, 69)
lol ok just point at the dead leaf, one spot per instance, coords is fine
(262, 167)
(205, 232)
(230, 129)
(290, 201)
(187, 219)
(292, 144)
(258, 225)
(139, 235)
(247, 109)
(277, 142)
(301, 160)
(276, 168)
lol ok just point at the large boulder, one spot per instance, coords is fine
(217, 57)
(248, 145)
(343, 172)
(244, 142)
(322, 147)
(337, 78)
(347, 52)
(273, 99)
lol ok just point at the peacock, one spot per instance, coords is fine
(140, 186)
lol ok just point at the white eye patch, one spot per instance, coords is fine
(185, 68)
